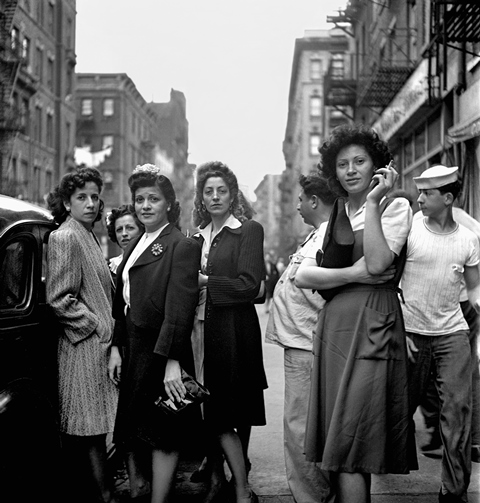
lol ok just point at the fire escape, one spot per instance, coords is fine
(340, 84)
(374, 78)
(10, 62)
(454, 24)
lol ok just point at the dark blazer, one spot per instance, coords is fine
(164, 292)
(234, 371)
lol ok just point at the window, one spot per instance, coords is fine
(338, 66)
(68, 132)
(39, 63)
(26, 116)
(51, 18)
(68, 35)
(107, 141)
(108, 107)
(314, 143)
(15, 267)
(50, 73)
(87, 108)
(15, 43)
(315, 106)
(50, 130)
(69, 82)
(26, 50)
(37, 172)
(315, 69)
(38, 124)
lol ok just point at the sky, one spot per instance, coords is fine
(231, 58)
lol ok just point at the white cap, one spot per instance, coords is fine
(436, 176)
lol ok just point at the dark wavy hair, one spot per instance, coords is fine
(67, 186)
(343, 136)
(116, 213)
(315, 184)
(240, 208)
(140, 179)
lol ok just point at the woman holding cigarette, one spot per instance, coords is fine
(358, 413)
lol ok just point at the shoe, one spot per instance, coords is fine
(449, 498)
(476, 453)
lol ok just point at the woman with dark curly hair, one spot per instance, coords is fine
(154, 308)
(231, 362)
(122, 226)
(358, 413)
(79, 289)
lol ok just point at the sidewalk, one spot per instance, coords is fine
(267, 477)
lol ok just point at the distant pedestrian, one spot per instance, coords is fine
(358, 420)
(79, 289)
(280, 265)
(291, 324)
(440, 254)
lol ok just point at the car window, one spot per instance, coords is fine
(15, 271)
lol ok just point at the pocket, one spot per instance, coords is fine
(376, 340)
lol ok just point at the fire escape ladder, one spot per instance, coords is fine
(453, 24)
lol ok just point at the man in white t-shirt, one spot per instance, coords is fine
(291, 324)
(440, 254)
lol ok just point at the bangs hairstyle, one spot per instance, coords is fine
(240, 208)
(343, 136)
(121, 211)
(142, 179)
(68, 184)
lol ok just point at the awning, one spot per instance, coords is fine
(463, 132)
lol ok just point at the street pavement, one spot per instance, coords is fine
(267, 476)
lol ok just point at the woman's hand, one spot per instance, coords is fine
(382, 182)
(360, 272)
(173, 381)
(115, 365)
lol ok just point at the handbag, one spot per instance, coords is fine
(195, 394)
(338, 243)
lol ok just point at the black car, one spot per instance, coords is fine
(30, 466)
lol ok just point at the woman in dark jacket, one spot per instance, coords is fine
(231, 272)
(154, 307)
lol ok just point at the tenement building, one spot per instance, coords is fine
(117, 129)
(318, 56)
(37, 114)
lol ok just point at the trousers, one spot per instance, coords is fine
(448, 358)
(307, 482)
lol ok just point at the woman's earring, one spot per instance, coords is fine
(203, 207)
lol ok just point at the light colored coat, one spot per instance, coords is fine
(79, 290)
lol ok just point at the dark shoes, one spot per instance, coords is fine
(449, 498)
(476, 453)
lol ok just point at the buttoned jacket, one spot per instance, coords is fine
(163, 292)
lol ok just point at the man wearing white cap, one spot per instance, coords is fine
(440, 252)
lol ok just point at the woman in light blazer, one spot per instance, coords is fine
(79, 290)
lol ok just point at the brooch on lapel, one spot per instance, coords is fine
(157, 249)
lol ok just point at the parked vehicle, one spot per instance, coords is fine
(30, 461)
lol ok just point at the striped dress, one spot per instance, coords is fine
(79, 291)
